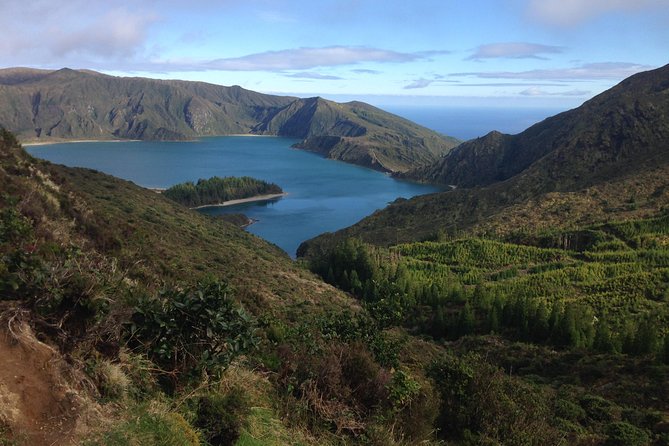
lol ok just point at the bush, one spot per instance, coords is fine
(569, 410)
(625, 434)
(196, 329)
(481, 404)
(600, 409)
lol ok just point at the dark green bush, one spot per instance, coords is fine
(483, 405)
(621, 433)
(569, 410)
(194, 329)
(600, 409)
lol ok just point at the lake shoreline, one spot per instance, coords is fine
(243, 200)
(267, 197)
(32, 143)
(324, 196)
(74, 141)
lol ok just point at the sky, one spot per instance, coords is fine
(530, 53)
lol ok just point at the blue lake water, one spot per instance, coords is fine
(323, 195)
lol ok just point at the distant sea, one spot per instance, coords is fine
(471, 122)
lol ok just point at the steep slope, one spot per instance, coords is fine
(83, 104)
(358, 133)
(41, 105)
(79, 249)
(607, 159)
(608, 135)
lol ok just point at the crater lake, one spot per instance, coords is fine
(323, 195)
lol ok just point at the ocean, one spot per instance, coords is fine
(472, 122)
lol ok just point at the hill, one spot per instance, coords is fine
(129, 319)
(358, 133)
(616, 133)
(608, 159)
(42, 105)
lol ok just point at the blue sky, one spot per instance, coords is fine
(423, 52)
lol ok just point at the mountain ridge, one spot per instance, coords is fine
(611, 127)
(608, 158)
(44, 105)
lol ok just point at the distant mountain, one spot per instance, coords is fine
(608, 135)
(608, 159)
(358, 133)
(66, 104)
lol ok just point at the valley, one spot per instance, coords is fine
(529, 305)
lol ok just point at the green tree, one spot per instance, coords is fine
(466, 320)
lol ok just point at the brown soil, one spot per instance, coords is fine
(37, 404)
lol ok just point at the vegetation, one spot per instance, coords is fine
(193, 330)
(603, 161)
(609, 296)
(76, 104)
(217, 190)
(182, 329)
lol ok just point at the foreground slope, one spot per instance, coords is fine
(42, 105)
(78, 249)
(607, 159)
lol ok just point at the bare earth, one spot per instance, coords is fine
(36, 401)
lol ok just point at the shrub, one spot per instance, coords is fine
(600, 409)
(621, 433)
(196, 329)
(481, 404)
(569, 410)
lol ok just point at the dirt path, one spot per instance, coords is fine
(36, 403)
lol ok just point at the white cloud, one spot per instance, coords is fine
(365, 71)
(419, 83)
(536, 91)
(307, 58)
(574, 12)
(313, 75)
(593, 71)
(514, 50)
(74, 30)
(116, 33)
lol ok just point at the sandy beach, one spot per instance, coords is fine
(243, 200)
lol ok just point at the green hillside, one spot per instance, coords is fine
(336, 130)
(608, 159)
(164, 326)
(620, 131)
(41, 105)
(530, 311)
